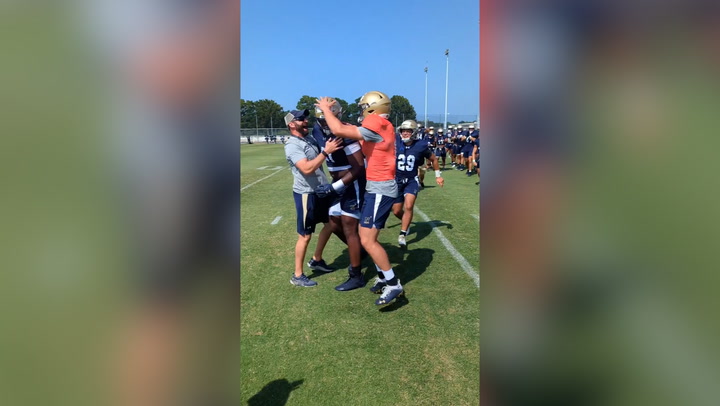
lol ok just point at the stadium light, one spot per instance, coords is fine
(447, 68)
(426, 70)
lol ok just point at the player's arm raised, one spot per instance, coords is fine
(336, 126)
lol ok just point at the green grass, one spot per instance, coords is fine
(317, 346)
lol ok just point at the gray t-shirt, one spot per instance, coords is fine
(296, 150)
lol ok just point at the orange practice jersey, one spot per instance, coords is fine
(380, 155)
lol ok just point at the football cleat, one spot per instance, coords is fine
(302, 280)
(319, 266)
(378, 285)
(354, 281)
(401, 241)
(389, 293)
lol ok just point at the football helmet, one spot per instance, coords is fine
(440, 130)
(375, 102)
(408, 125)
(336, 110)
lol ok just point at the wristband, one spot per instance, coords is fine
(339, 186)
(437, 174)
(326, 154)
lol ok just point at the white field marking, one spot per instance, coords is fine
(476, 216)
(458, 257)
(277, 220)
(245, 187)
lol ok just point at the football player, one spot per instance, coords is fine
(410, 153)
(346, 167)
(377, 137)
(467, 150)
(457, 148)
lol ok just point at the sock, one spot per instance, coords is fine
(380, 273)
(403, 232)
(355, 271)
(390, 277)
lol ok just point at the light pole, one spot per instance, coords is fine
(447, 68)
(426, 69)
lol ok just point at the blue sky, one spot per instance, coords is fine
(346, 48)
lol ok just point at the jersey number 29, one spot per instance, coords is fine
(406, 163)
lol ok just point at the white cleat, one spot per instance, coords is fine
(401, 241)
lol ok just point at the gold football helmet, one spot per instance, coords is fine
(374, 102)
(408, 125)
(336, 110)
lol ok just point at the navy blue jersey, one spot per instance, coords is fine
(430, 139)
(338, 160)
(440, 141)
(409, 157)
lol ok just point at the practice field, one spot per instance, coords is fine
(317, 346)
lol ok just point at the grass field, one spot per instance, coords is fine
(317, 346)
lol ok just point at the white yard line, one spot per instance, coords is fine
(259, 180)
(458, 257)
(277, 220)
(476, 216)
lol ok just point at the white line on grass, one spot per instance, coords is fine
(277, 220)
(245, 187)
(458, 257)
(476, 216)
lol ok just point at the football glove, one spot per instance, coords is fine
(325, 190)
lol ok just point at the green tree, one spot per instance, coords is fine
(401, 110)
(269, 114)
(344, 106)
(352, 112)
(247, 113)
(306, 102)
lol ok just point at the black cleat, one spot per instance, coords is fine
(353, 282)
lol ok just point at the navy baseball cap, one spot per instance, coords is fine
(296, 115)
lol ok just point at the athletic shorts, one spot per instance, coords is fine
(375, 210)
(440, 152)
(467, 152)
(450, 148)
(457, 149)
(405, 186)
(348, 204)
(311, 210)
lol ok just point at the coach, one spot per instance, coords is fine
(303, 155)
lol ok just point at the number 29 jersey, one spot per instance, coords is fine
(409, 157)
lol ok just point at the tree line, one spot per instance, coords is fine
(267, 113)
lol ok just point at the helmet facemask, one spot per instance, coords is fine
(407, 135)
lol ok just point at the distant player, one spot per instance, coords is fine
(467, 150)
(347, 169)
(410, 153)
(449, 139)
(440, 150)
